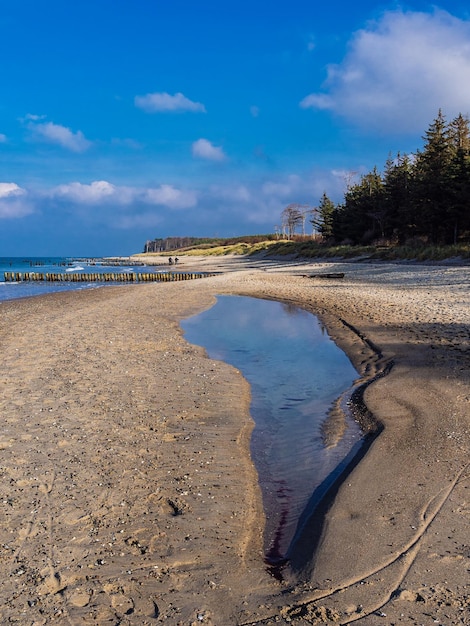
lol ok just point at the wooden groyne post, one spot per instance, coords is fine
(105, 277)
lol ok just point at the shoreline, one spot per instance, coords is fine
(198, 558)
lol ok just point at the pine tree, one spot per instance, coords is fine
(323, 218)
(458, 212)
(432, 177)
(362, 218)
(426, 195)
(398, 180)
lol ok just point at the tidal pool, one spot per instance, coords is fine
(297, 376)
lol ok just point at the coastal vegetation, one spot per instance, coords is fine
(417, 208)
(306, 247)
(201, 243)
(419, 200)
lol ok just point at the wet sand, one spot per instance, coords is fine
(128, 495)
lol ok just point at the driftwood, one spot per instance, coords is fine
(331, 275)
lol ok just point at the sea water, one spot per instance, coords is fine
(56, 265)
(297, 374)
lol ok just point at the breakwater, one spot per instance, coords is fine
(102, 277)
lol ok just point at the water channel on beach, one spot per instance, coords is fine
(297, 374)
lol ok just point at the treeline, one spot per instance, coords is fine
(422, 197)
(170, 243)
(177, 243)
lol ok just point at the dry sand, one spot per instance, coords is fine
(128, 495)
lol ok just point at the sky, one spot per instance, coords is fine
(122, 121)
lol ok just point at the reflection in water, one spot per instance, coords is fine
(297, 374)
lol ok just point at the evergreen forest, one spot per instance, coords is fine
(420, 197)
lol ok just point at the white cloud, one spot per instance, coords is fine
(60, 135)
(235, 206)
(169, 196)
(15, 210)
(13, 201)
(32, 117)
(7, 190)
(399, 71)
(101, 192)
(96, 192)
(254, 110)
(204, 149)
(258, 204)
(318, 101)
(164, 103)
(3, 138)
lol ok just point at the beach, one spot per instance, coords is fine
(128, 492)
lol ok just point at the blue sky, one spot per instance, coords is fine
(126, 120)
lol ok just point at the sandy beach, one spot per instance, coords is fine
(128, 495)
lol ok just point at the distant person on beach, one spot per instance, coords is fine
(176, 260)
(170, 261)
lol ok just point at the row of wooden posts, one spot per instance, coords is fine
(118, 277)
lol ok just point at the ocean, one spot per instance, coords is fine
(13, 290)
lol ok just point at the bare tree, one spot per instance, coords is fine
(312, 214)
(291, 217)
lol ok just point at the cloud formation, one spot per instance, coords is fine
(231, 206)
(101, 192)
(33, 117)
(59, 135)
(399, 71)
(3, 138)
(8, 190)
(14, 202)
(258, 204)
(96, 192)
(171, 197)
(204, 149)
(164, 103)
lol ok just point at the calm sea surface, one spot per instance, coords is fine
(296, 373)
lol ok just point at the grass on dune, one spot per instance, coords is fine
(315, 249)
